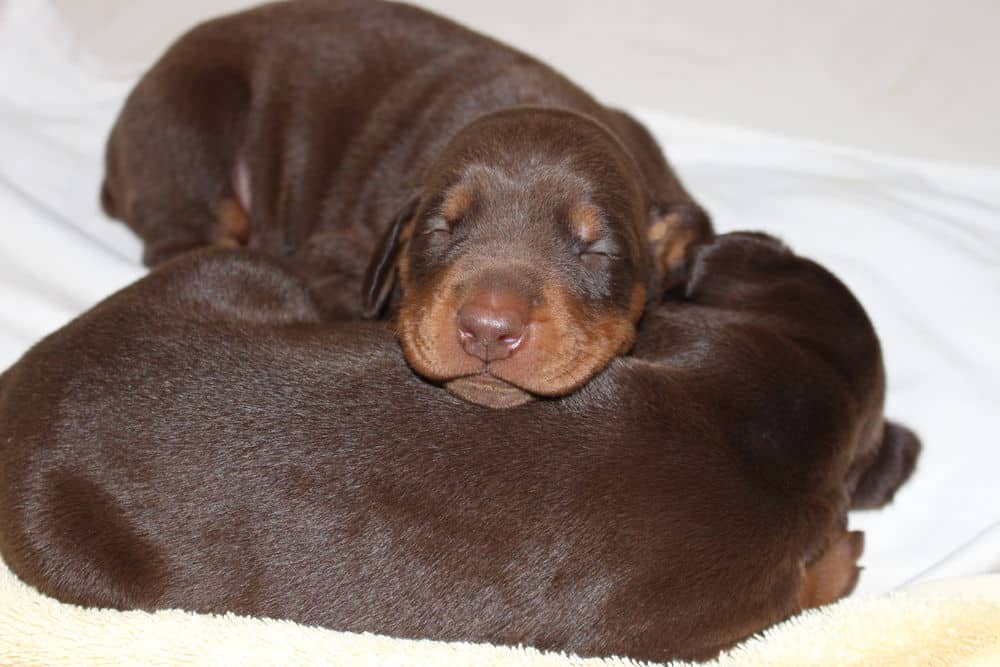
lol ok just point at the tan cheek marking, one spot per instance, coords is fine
(234, 224)
(586, 221)
(558, 313)
(576, 346)
(425, 332)
(456, 203)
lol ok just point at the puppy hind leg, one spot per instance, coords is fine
(170, 160)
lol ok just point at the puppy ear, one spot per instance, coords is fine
(380, 276)
(672, 230)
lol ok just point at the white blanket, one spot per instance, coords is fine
(918, 243)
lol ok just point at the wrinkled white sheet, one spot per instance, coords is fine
(918, 243)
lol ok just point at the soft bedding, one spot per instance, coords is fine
(953, 625)
(918, 243)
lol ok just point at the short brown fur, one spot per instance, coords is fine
(204, 440)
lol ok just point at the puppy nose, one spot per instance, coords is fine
(491, 324)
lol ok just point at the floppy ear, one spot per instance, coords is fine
(380, 276)
(672, 229)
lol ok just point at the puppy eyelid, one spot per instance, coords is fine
(601, 247)
(438, 224)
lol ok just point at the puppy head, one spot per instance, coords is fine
(523, 262)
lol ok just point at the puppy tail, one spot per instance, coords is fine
(891, 466)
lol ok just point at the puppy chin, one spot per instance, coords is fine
(488, 391)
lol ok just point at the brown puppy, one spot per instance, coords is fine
(202, 440)
(525, 221)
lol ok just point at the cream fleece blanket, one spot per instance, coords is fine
(954, 622)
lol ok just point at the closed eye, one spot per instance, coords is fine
(438, 225)
(601, 248)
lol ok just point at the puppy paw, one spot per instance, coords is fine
(835, 573)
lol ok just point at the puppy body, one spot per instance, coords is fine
(332, 133)
(203, 440)
(318, 116)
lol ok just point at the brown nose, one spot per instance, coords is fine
(491, 324)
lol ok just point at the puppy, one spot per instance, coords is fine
(402, 163)
(203, 440)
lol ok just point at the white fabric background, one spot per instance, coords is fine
(909, 77)
(919, 244)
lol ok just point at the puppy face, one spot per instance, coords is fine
(523, 265)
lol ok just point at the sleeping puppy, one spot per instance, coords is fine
(401, 163)
(203, 440)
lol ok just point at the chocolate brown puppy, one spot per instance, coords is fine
(395, 158)
(203, 440)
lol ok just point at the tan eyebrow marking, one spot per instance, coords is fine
(456, 202)
(587, 222)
